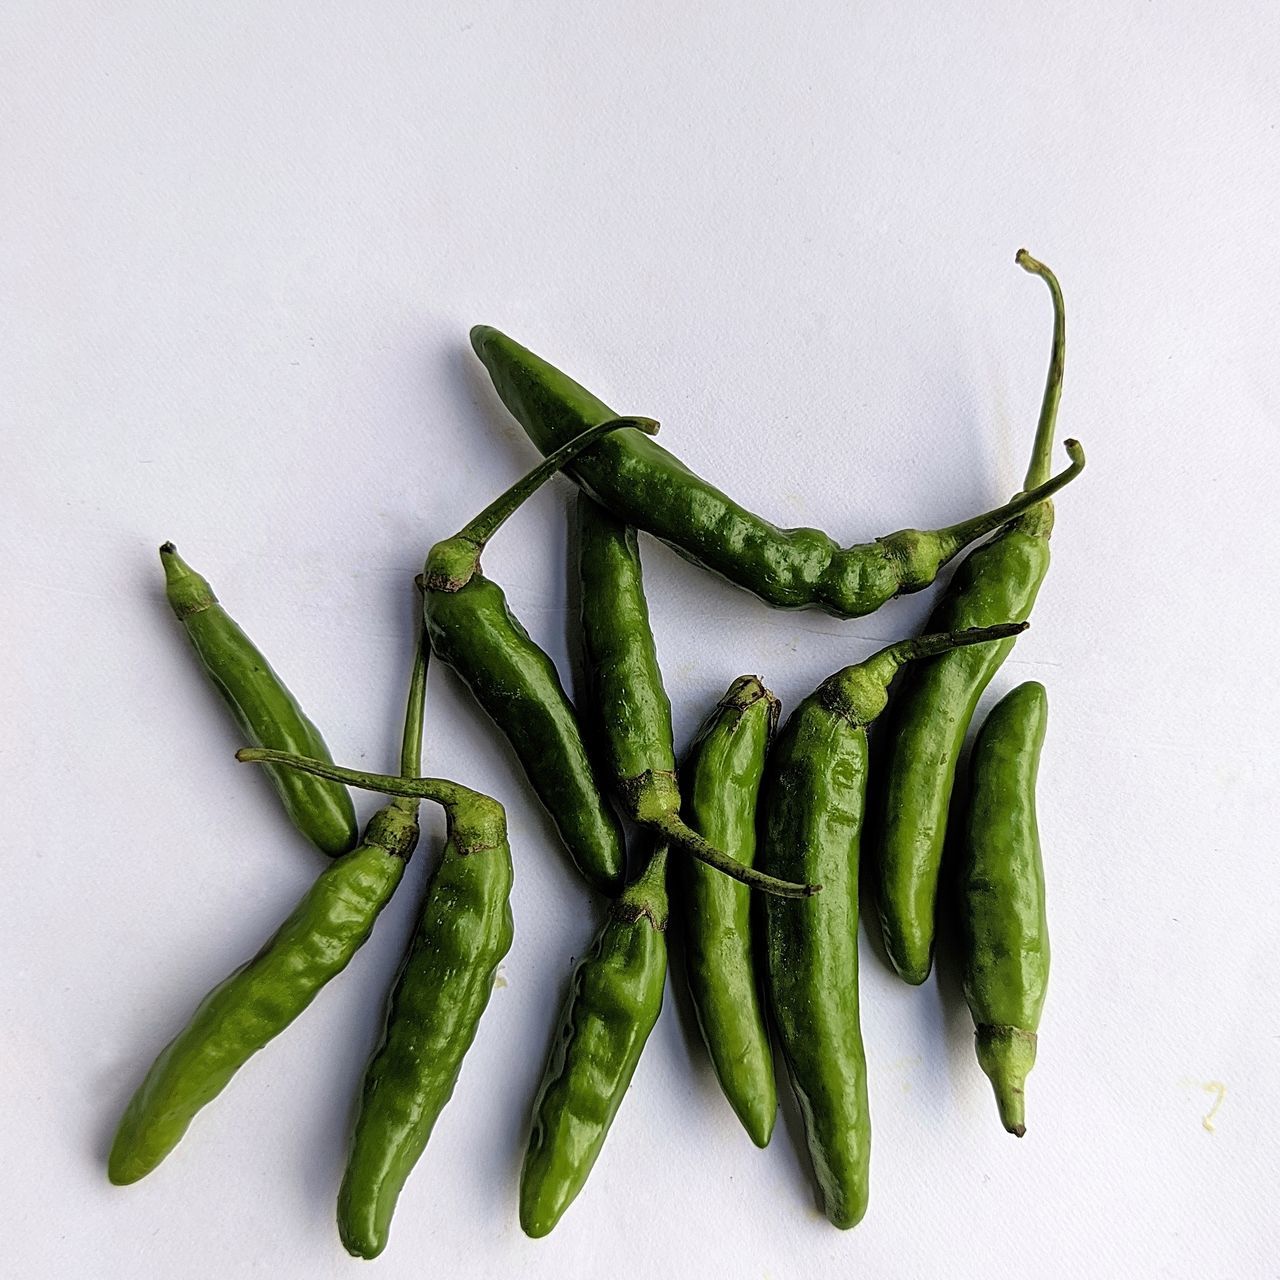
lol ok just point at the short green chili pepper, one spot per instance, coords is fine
(645, 486)
(932, 710)
(514, 680)
(629, 704)
(720, 780)
(614, 1000)
(262, 706)
(1006, 935)
(261, 998)
(813, 795)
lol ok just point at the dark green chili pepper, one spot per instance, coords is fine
(614, 1000)
(645, 486)
(932, 709)
(263, 708)
(261, 998)
(720, 779)
(432, 1018)
(472, 630)
(633, 713)
(813, 794)
(1006, 936)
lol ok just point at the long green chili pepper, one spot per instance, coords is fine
(1006, 936)
(432, 1017)
(261, 998)
(262, 706)
(516, 683)
(720, 780)
(645, 486)
(933, 707)
(614, 1000)
(813, 795)
(631, 707)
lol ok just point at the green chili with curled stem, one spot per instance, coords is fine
(934, 705)
(615, 996)
(261, 998)
(262, 706)
(720, 781)
(1006, 935)
(647, 487)
(630, 705)
(812, 801)
(513, 679)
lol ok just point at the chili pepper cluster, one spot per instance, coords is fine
(752, 808)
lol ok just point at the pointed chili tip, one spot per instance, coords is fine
(168, 549)
(480, 335)
(1018, 1130)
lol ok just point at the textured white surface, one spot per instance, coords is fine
(244, 245)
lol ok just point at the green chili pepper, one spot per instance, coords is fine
(432, 1018)
(614, 1000)
(645, 486)
(813, 794)
(632, 710)
(933, 708)
(263, 708)
(1006, 936)
(720, 779)
(261, 998)
(516, 683)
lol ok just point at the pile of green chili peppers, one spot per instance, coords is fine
(751, 843)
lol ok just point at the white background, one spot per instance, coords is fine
(243, 247)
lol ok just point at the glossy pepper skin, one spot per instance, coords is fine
(720, 779)
(263, 996)
(934, 705)
(813, 798)
(647, 487)
(516, 683)
(629, 704)
(1006, 934)
(263, 707)
(432, 1017)
(614, 1000)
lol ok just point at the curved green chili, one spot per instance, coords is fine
(614, 1000)
(1006, 936)
(629, 703)
(720, 780)
(262, 706)
(649, 488)
(813, 796)
(516, 683)
(933, 707)
(261, 998)
(432, 1017)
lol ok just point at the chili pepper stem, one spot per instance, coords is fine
(1007, 1055)
(453, 562)
(440, 790)
(684, 838)
(954, 538)
(483, 526)
(1038, 470)
(914, 648)
(859, 693)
